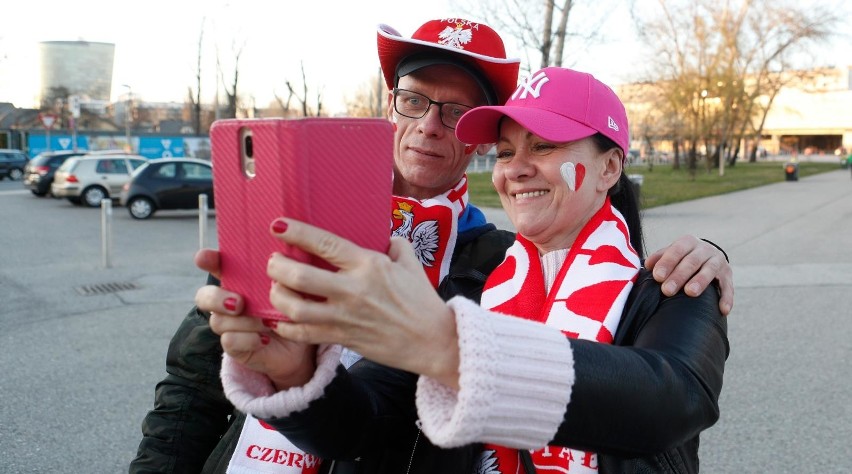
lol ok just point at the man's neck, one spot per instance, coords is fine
(413, 192)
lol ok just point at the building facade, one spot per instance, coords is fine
(80, 68)
(810, 115)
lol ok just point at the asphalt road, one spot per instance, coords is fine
(78, 370)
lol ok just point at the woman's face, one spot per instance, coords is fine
(550, 190)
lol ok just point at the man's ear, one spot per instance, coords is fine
(483, 150)
(390, 106)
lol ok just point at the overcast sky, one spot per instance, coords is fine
(156, 43)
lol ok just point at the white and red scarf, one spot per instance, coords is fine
(262, 449)
(585, 302)
(431, 225)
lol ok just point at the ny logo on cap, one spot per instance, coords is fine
(612, 124)
(531, 85)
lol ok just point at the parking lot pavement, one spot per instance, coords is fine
(79, 371)
(80, 361)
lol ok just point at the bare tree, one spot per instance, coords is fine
(284, 104)
(193, 98)
(369, 100)
(718, 66)
(231, 93)
(53, 100)
(197, 102)
(541, 27)
(302, 98)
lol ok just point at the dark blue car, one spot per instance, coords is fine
(167, 183)
(12, 163)
(38, 175)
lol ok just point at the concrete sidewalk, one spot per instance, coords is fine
(786, 402)
(785, 406)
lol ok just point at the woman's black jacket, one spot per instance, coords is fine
(668, 390)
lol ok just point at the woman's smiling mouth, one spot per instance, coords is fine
(530, 194)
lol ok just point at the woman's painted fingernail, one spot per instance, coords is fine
(279, 226)
(270, 323)
(264, 339)
(230, 303)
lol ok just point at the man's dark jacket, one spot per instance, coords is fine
(194, 428)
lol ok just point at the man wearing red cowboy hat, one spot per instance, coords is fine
(366, 418)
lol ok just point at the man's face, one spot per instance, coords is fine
(428, 159)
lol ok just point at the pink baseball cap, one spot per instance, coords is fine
(557, 104)
(474, 47)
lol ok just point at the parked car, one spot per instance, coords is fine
(89, 179)
(12, 163)
(167, 183)
(38, 174)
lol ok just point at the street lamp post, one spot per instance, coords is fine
(127, 105)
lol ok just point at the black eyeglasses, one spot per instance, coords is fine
(413, 105)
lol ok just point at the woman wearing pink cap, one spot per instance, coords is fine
(575, 361)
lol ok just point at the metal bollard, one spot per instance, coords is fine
(106, 233)
(202, 221)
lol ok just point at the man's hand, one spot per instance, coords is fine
(252, 341)
(693, 264)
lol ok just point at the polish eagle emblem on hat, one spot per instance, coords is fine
(423, 236)
(455, 37)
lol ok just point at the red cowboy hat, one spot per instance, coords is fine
(473, 43)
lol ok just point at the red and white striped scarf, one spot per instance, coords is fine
(585, 302)
(431, 225)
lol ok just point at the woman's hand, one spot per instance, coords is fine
(381, 306)
(693, 264)
(249, 340)
(208, 260)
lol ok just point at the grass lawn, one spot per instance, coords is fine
(663, 185)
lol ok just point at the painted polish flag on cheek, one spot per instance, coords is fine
(573, 174)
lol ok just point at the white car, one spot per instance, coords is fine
(90, 179)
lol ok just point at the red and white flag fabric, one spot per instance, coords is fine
(585, 302)
(431, 225)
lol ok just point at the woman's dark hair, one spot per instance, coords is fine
(624, 198)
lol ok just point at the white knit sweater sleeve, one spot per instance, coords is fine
(515, 379)
(252, 392)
